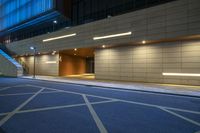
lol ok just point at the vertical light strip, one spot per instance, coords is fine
(113, 35)
(182, 74)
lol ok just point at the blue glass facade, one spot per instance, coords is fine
(13, 12)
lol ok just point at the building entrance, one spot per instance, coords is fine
(77, 63)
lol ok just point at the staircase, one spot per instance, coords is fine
(9, 66)
(25, 67)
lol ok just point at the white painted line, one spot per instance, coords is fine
(5, 119)
(77, 93)
(3, 114)
(126, 101)
(97, 120)
(21, 94)
(16, 94)
(150, 93)
(136, 90)
(197, 132)
(158, 106)
(182, 117)
(5, 88)
(57, 107)
(51, 108)
(110, 101)
(183, 110)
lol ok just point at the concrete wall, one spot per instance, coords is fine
(146, 63)
(171, 20)
(8, 66)
(42, 65)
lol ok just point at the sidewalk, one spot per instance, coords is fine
(150, 87)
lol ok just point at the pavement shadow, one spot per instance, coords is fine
(2, 131)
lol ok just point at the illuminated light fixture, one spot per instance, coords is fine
(143, 42)
(112, 36)
(39, 53)
(103, 46)
(54, 52)
(182, 74)
(109, 16)
(59, 37)
(74, 54)
(32, 48)
(55, 21)
(50, 62)
(75, 49)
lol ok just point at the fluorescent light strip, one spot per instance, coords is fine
(59, 37)
(182, 74)
(50, 62)
(111, 36)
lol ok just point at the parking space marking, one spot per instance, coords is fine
(137, 103)
(159, 106)
(19, 94)
(180, 116)
(6, 118)
(126, 101)
(71, 92)
(3, 114)
(96, 118)
(145, 92)
(61, 107)
(57, 107)
(120, 89)
(183, 110)
(5, 88)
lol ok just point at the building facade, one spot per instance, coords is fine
(159, 43)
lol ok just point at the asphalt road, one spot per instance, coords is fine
(33, 106)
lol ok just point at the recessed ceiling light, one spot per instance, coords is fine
(32, 48)
(143, 42)
(55, 22)
(75, 49)
(54, 52)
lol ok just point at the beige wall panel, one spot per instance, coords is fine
(147, 63)
(43, 63)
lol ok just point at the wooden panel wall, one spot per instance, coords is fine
(71, 65)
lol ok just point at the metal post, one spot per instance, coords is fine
(34, 63)
(34, 55)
